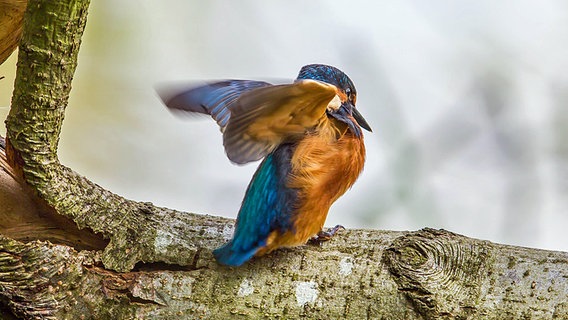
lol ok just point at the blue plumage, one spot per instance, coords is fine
(327, 74)
(267, 206)
(215, 99)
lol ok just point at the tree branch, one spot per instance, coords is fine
(362, 274)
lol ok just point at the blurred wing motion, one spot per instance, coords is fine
(256, 117)
(216, 99)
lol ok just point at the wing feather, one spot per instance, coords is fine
(263, 118)
(216, 99)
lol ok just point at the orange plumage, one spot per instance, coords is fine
(324, 167)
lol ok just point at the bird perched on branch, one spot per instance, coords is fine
(308, 134)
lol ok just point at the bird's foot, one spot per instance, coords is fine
(323, 236)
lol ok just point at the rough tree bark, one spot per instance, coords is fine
(70, 249)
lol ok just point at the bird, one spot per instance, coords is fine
(309, 136)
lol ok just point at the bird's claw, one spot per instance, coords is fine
(323, 236)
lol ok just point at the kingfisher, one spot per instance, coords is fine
(308, 135)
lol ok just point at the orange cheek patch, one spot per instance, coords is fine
(341, 94)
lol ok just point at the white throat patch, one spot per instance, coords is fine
(334, 104)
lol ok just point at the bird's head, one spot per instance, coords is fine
(342, 106)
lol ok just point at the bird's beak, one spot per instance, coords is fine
(348, 114)
(360, 120)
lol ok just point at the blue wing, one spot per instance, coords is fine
(268, 205)
(215, 99)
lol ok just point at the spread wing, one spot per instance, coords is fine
(216, 99)
(255, 116)
(263, 118)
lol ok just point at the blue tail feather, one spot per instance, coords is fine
(265, 208)
(228, 256)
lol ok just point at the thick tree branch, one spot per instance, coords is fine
(360, 275)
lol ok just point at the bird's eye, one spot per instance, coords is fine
(348, 93)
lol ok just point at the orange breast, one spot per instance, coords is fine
(324, 166)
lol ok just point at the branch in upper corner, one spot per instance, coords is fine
(11, 19)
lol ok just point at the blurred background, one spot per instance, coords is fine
(468, 101)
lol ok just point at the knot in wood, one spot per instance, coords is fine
(438, 271)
